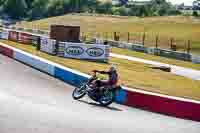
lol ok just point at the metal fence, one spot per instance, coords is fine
(141, 42)
(145, 39)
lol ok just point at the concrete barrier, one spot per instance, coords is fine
(70, 77)
(168, 105)
(6, 51)
(34, 62)
(172, 106)
(121, 96)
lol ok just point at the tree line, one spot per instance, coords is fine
(37, 9)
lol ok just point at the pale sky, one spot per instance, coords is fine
(187, 2)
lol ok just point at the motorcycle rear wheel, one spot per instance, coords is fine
(107, 98)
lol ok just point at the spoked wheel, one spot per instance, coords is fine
(80, 92)
(107, 97)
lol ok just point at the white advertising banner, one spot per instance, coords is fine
(196, 59)
(5, 35)
(48, 45)
(86, 51)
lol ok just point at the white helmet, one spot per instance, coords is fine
(113, 67)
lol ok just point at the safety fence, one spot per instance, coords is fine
(43, 43)
(138, 46)
(147, 39)
(154, 51)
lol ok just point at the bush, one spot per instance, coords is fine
(195, 14)
(123, 11)
(174, 12)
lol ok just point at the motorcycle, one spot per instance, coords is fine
(103, 95)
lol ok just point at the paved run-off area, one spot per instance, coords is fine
(32, 101)
(181, 71)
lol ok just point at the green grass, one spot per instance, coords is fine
(156, 58)
(181, 28)
(132, 74)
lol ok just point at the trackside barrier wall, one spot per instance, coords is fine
(34, 62)
(6, 51)
(173, 106)
(177, 107)
(70, 76)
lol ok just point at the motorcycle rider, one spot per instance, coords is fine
(112, 80)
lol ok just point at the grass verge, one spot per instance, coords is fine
(132, 74)
(181, 28)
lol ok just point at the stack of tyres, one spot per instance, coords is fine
(61, 49)
(13, 36)
(5, 34)
(35, 41)
(24, 38)
(107, 53)
(48, 45)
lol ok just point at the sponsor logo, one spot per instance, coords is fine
(74, 50)
(95, 52)
(44, 41)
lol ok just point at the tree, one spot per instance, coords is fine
(1, 6)
(105, 7)
(74, 5)
(123, 11)
(35, 9)
(29, 3)
(195, 13)
(15, 8)
(1, 2)
(39, 9)
(134, 10)
(93, 5)
(57, 7)
(163, 9)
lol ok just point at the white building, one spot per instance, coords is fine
(117, 2)
(196, 5)
(130, 2)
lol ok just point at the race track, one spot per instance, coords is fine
(33, 102)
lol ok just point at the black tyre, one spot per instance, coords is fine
(78, 93)
(107, 98)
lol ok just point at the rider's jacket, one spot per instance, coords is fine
(113, 76)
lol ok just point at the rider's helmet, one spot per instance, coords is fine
(113, 68)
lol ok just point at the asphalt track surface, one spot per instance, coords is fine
(33, 102)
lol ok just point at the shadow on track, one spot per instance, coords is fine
(100, 106)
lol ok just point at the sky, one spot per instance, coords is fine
(187, 2)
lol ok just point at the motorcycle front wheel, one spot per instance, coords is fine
(79, 92)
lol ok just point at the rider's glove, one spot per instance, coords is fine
(94, 71)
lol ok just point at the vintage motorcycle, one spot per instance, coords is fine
(103, 95)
